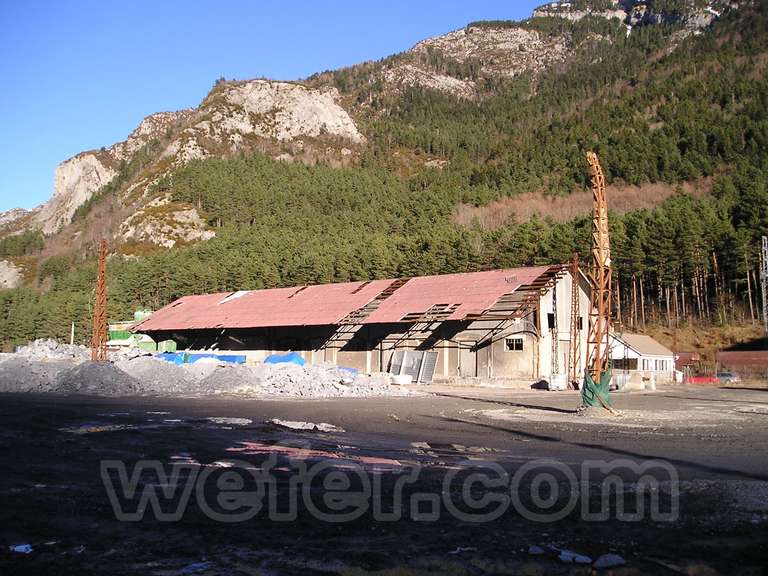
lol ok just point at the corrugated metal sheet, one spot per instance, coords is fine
(757, 358)
(300, 306)
(328, 304)
(474, 292)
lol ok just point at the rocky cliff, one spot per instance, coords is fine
(235, 116)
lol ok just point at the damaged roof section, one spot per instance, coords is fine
(454, 296)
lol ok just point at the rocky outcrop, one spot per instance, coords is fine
(165, 225)
(228, 120)
(502, 51)
(453, 63)
(565, 10)
(153, 127)
(10, 217)
(75, 181)
(280, 110)
(10, 275)
(691, 14)
(409, 75)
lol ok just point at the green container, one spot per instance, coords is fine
(166, 346)
(120, 335)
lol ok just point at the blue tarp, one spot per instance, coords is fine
(291, 357)
(187, 358)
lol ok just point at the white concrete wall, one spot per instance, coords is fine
(563, 287)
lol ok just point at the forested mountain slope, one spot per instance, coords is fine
(665, 104)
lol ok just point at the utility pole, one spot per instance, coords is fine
(764, 281)
(574, 353)
(99, 337)
(597, 379)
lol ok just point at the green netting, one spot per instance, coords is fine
(594, 394)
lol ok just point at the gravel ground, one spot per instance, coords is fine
(54, 497)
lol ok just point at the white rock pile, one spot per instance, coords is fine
(46, 349)
(48, 366)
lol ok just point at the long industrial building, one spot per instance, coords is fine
(499, 324)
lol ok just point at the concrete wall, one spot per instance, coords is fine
(563, 288)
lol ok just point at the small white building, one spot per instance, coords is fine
(639, 360)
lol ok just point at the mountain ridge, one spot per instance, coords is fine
(453, 63)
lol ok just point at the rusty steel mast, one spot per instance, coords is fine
(600, 298)
(99, 336)
(764, 280)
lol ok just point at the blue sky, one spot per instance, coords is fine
(81, 74)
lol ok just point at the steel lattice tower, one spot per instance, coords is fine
(574, 353)
(764, 280)
(99, 337)
(600, 275)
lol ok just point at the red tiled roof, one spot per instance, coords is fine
(328, 304)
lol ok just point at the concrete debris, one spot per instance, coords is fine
(46, 366)
(315, 381)
(570, 557)
(97, 428)
(97, 378)
(460, 549)
(196, 567)
(156, 376)
(230, 421)
(48, 349)
(18, 374)
(609, 561)
(312, 426)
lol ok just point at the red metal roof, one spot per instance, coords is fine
(743, 358)
(328, 304)
(474, 292)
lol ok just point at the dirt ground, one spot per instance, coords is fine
(707, 514)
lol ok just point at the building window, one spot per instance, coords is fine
(581, 323)
(514, 344)
(551, 321)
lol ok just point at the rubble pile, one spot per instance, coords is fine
(290, 380)
(47, 366)
(157, 376)
(19, 374)
(46, 349)
(99, 378)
